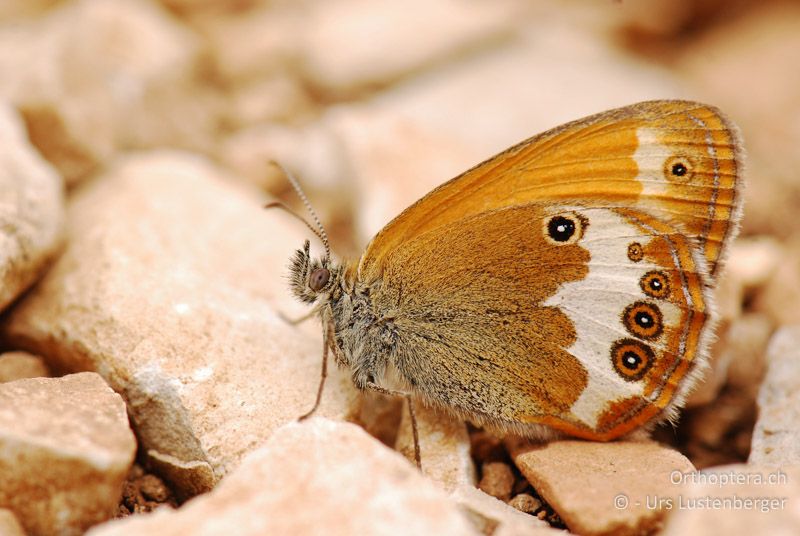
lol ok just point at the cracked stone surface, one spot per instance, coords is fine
(162, 291)
(65, 449)
(31, 209)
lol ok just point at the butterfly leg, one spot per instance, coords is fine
(300, 320)
(322, 377)
(412, 413)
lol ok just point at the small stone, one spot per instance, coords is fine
(314, 477)
(444, 446)
(21, 365)
(144, 492)
(525, 503)
(153, 488)
(776, 438)
(31, 209)
(493, 516)
(602, 488)
(497, 480)
(737, 499)
(77, 428)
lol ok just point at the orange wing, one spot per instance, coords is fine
(679, 160)
(534, 331)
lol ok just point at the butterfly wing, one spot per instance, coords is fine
(679, 160)
(496, 317)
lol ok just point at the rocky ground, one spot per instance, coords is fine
(146, 363)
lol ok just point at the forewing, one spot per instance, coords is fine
(678, 160)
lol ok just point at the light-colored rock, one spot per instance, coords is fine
(350, 44)
(525, 503)
(443, 443)
(729, 296)
(87, 81)
(421, 133)
(9, 526)
(602, 488)
(746, 342)
(497, 480)
(738, 358)
(776, 438)
(780, 297)
(493, 516)
(65, 448)
(318, 477)
(171, 288)
(21, 365)
(737, 500)
(754, 260)
(31, 209)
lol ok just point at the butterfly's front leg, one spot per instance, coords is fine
(326, 344)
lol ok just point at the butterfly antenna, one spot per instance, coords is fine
(278, 204)
(320, 231)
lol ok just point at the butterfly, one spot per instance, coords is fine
(562, 287)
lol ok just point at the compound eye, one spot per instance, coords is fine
(318, 279)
